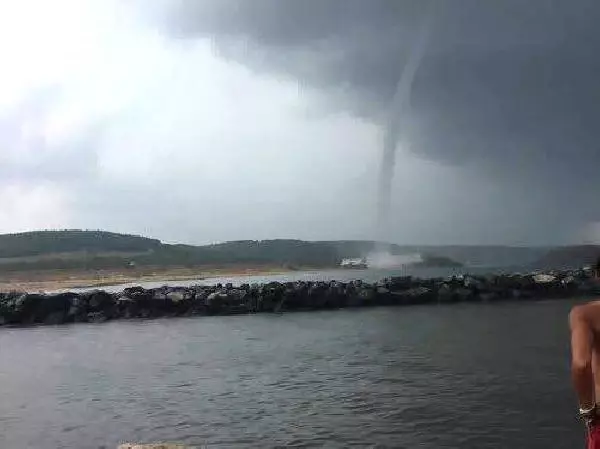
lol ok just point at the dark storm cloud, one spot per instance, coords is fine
(510, 86)
(506, 95)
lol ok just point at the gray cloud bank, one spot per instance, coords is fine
(283, 127)
(507, 89)
(506, 83)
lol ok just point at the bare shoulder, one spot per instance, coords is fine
(588, 313)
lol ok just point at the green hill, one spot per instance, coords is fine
(41, 243)
(438, 261)
(77, 249)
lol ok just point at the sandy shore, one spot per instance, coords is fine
(52, 280)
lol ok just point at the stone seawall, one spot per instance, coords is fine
(154, 446)
(18, 308)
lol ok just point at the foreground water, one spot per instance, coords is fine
(458, 376)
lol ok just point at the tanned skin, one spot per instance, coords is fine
(584, 321)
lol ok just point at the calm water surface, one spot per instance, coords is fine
(460, 376)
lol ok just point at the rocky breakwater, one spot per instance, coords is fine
(18, 308)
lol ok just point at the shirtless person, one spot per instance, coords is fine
(584, 321)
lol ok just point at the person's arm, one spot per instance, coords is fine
(582, 340)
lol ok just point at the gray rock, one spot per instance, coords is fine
(488, 296)
(176, 296)
(96, 317)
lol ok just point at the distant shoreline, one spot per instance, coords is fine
(47, 281)
(55, 280)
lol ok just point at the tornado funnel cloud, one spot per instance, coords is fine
(398, 108)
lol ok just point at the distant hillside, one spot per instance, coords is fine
(49, 242)
(348, 249)
(570, 257)
(104, 250)
(485, 256)
(75, 249)
(260, 252)
(438, 261)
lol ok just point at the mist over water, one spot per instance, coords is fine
(383, 259)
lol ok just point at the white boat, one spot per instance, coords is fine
(358, 263)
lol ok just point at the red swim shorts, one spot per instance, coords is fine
(594, 437)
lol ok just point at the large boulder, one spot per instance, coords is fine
(543, 278)
(137, 302)
(399, 283)
(37, 308)
(96, 305)
(217, 302)
(445, 293)
(418, 295)
(9, 305)
(58, 309)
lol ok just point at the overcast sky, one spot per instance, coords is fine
(209, 120)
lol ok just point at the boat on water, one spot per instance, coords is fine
(358, 263)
